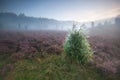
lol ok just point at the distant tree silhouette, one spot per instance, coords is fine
(117, 20)
(19, 26)
(99, 25)
(92, 24)
(83, 26)
(26, 27)
(1, 26)
(56, 27)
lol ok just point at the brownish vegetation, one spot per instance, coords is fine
(19, 45)
(32, 42)
(106, 53)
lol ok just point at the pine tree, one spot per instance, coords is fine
(77, 47)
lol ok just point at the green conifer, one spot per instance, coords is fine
(77, 47)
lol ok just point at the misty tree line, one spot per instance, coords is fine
(60, 27)
(116, 22)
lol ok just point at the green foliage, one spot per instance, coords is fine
(77, 47)
(53, 67)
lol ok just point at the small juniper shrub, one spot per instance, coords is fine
(77, 47)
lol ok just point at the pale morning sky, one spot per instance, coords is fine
(78, 10)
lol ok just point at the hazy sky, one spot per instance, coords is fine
(78, 10)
